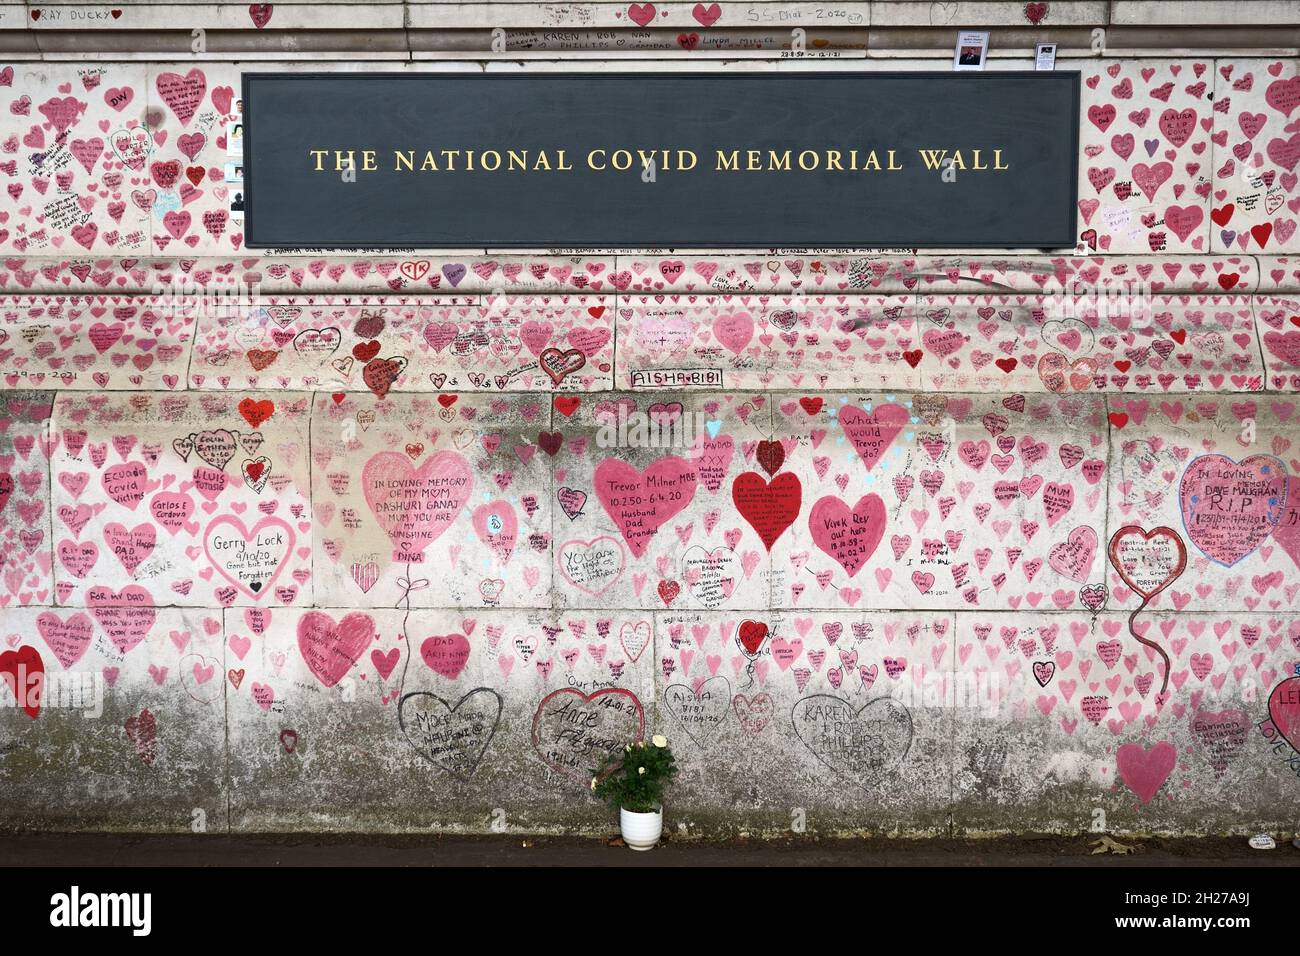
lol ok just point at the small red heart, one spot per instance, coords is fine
(255, 412)
(771, 456)
(550, 442)
(752, 634)
(668, 591)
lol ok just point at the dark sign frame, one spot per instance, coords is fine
(1064, 241)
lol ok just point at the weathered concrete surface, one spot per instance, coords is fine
(397, 31)
(131, 728)
(878, 613)
(1089, 735)
(846, 726)
(904, 544)
(432, 727)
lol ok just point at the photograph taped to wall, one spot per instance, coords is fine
(971, 50)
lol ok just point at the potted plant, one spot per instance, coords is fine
(635, 779)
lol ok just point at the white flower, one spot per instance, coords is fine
(628, 748)
(641, 743)
(659, 740)
(593, 783)
(640, 770)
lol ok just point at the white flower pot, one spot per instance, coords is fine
(641, 831)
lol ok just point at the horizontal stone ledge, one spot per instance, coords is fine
(1004, 43)
(269, 20)
(1162, 344)
(1208, 12)
(708, 21)
(336, 44)
(576, 38)
(1085, 41)
(125, 19)
(475, 273)
(818, 40)
(390, 50)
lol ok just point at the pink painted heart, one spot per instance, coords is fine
(1145, 771)
(1183, 220)
(1148, 561)
(1150, 178)
(1230, 508)
(497, 527)
(446, 654)
(873, 432)
(131, 546)
(183, 94)
(1283, 95)
(1287, 533)
(848, 536)
(251, 560)
(67, 637)
(734, 330)
(1285, 346)
(640, 502)
(416, 506)
(1073, 557)
(711, 457)
(329, 648)
(1284, 710)
(1220, 735)
(125, 616)
(126, 484)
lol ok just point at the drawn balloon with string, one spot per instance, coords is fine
(751, 638)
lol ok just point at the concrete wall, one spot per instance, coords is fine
(344, 541)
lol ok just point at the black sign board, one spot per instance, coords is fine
(640, 160)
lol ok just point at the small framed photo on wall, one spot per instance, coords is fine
(972, 49)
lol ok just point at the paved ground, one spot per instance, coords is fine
(53, 849)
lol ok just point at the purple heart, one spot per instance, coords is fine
(454, 273)
(1228, 235)
(1152, 145)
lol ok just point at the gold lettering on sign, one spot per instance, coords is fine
(662, 159)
